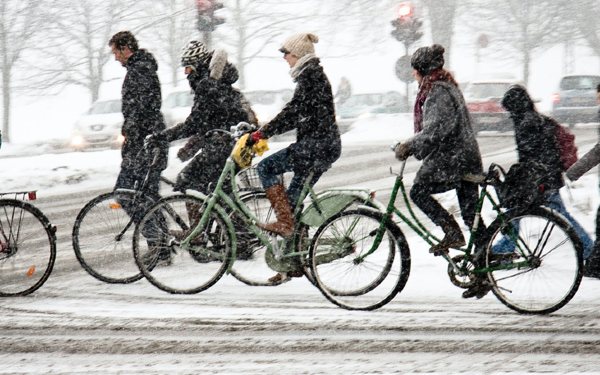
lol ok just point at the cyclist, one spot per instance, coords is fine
(217, 105)
(141, 101)
(311, 112)
(446, 144)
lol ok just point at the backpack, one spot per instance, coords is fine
(566, 143)
(523, 185)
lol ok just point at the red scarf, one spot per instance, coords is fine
(424, 89)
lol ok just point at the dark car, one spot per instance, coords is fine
(575, 102)
(483, 100)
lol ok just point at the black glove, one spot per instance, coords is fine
(156, 140)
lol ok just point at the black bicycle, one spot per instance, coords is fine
(27, 245)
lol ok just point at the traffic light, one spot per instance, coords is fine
(207, 21)
(406, 26)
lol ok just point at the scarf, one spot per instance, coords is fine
(424, 90)
(300, 65)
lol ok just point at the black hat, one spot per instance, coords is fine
(517, 100)
(427, 59)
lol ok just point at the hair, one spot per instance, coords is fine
(124, 39)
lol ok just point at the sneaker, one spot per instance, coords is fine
(478, 290)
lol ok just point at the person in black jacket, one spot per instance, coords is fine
(141, 101)
(311, 112)
(217, 105)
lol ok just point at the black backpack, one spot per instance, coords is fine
(523, 185)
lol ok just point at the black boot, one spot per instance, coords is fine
(592, 265)
(453, 237)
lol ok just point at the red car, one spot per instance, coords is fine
(483, 101)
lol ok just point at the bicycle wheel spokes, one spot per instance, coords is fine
(165, 263)
(102, 237)
(545, 274)
(350, 270)
(27, 248)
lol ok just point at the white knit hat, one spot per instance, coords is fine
(300, 45)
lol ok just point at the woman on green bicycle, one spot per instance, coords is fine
(446, 144)
(311, 112)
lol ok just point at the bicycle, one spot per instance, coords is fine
(203, 250)
(103, 231)
(541, 275)
(27, 245)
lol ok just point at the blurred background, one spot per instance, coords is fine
(61, 86)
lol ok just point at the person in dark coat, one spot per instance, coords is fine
(217, 105)
(311, 112)
(141, 102)
(587, 162)
(446, 144)
(537, 142)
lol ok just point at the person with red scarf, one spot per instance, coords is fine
(445, 143)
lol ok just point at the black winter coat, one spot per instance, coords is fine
(311, 112)
(536, 140)
(141, 101)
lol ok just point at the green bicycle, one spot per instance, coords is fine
(539, 277)
(221, 236)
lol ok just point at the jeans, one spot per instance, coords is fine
(553, 201)
(280, 162)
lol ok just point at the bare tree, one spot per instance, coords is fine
(171, 24)
(80, 31)
(19, 21)
(522, 26)
(584, 16)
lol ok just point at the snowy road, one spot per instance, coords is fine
(75, 324)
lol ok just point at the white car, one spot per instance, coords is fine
(99, 127)
(177, 106)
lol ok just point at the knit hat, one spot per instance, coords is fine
(427, 59)
(193, 53)
(300, 45)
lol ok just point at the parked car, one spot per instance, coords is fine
(177, 106)
(483, 100)
(100, 126)
(575, 102)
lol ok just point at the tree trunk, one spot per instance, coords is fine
(441, 16)
(6, 104)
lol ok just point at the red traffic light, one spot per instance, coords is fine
(405, 10)
(203, 5)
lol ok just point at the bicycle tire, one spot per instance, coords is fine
(25, 234)
(555, 268)
(97, 243)
(348, 283)
(169, 267)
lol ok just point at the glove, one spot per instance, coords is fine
(402, 151)
(154, 140)
(257, 136)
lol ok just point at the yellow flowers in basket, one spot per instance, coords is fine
(242, 154)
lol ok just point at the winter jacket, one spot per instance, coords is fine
(311, 112)
(141, 101)
(447, 144)
(217, 105)
(536, 141)
(587, 162)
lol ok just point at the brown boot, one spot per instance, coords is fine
(453, 237)
(284, 226)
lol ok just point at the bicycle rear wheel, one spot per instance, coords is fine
(161, 259)
(549, 258)
(344, 271)
(27, 248)
(102, 241)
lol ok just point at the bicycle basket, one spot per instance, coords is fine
(248, 180)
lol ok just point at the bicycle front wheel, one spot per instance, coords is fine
(540, 268)
(350, 268)
(102, 237)
(27, 248)
(161, 259)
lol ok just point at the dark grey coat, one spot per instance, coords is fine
(447, 144)
(587, 162)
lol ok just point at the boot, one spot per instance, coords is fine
(284, 226)
(453, 237)
(592, 266)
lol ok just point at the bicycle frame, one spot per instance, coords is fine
(419, 228)
(322, 206)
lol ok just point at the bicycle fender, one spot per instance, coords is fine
(328, 205)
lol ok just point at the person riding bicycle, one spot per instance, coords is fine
(217, 105)
(446, 144)
(311, 112)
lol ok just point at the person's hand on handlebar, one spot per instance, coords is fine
(255, 137)
(154, 140)
(402, 151)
